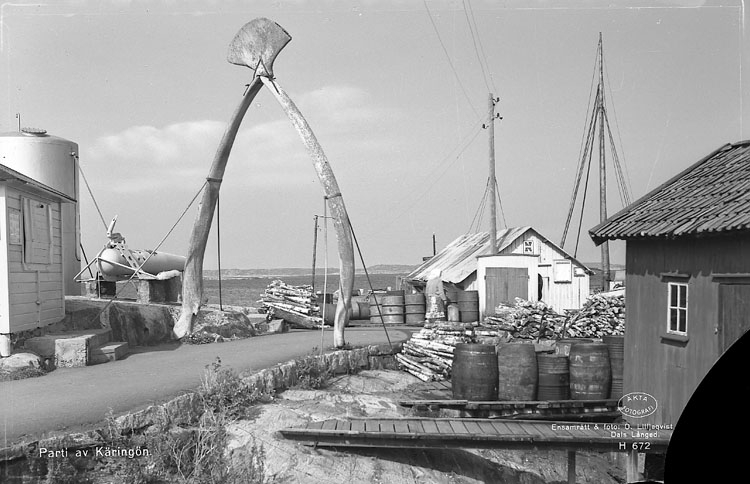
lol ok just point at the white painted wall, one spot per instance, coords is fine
(539, 257)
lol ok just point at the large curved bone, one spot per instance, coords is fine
(256, 46)
(335, 203)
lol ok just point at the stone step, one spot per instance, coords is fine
(70, 349)
(111, 352)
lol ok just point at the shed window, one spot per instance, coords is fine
(563, 270)
(37, 232)
(677, 309)
(528, 247)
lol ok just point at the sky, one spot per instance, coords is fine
(395, 91)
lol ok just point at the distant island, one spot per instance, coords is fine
(296, 271)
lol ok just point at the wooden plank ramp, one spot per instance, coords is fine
(600, 410)
(414, 432)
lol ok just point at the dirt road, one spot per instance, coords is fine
(72, 398)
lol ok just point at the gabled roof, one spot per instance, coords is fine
(712, 196)
(457, 261)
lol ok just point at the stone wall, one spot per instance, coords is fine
(150, 324)
(18, 459)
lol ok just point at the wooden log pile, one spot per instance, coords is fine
(599, 316)
(526, 320)
(292, 300)
(428, 355)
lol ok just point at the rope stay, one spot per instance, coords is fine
(596, 114)
(500, 204)
(88, 187)
(585, 159)
(151, 253)
(369, 283)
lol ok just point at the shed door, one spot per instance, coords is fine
(734, 313)
(504, 284)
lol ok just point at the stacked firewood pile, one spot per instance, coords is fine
(599, 316)
(298, 299)
(525, 320)
(428, 355)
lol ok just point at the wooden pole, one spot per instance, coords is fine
(218, 247)
(315, 253)
(493, 207)
(571, 467)
(631, 466)
(602, 170)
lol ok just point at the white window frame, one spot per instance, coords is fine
(679, 308)
(559, 273)
(528, 247)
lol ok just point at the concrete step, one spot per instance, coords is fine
(111, 352)
(70, 349)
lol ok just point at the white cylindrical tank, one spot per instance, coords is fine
(111, 263)
(51, 162)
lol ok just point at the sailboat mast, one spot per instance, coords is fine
(602, 169)
(493, 206)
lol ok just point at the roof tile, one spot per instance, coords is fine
(711, 196)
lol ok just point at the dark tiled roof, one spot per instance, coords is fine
(712, 196)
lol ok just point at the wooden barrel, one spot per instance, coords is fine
(616, 348)
(360, 310)
(392, 309)
(562, 346)
(414, 308)
(451, 294)
(330, 312)
(554, 377)
(474, 372)
(453, 314)
(589, 371)
(468, 306)
(376, 304)
(517, 371)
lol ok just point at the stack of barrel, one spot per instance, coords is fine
(463, 306)
(360, 308)
(414, 308)
(577, 369)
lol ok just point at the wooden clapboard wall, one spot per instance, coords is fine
(33, 241)
(717, 273)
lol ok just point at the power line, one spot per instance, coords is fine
(418, 198)
(448, 57)
(476, 50)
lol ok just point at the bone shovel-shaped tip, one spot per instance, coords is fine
(257, 44)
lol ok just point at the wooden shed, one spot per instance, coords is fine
(527, 265)
(39, 234)
(687, 276)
